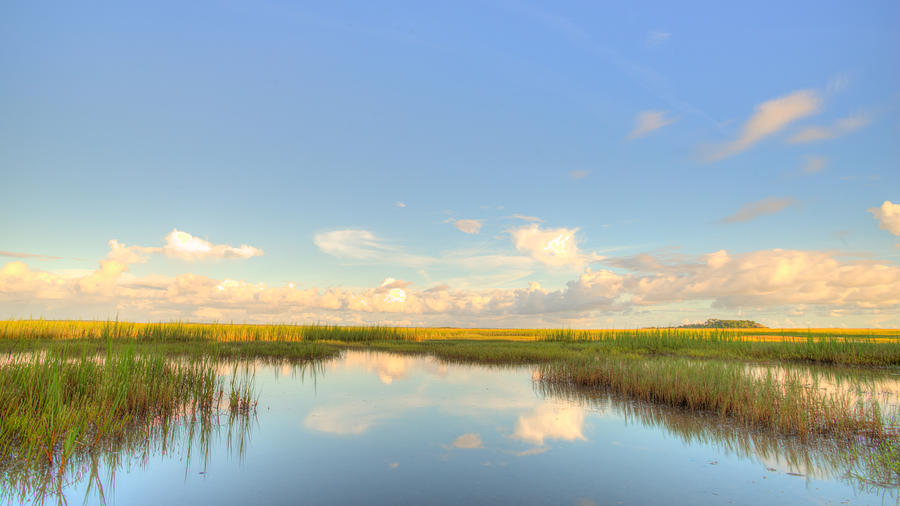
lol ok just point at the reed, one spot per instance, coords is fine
(788, 404)
(59, 405)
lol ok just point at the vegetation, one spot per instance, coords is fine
(786, 404)
(714, 323)
(302, 342)
(70, 389)
(865, 466)
(60, 405)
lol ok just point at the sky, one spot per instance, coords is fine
(486, 164)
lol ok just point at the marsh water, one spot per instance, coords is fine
(377, 428)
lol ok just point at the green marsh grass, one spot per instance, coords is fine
(786, 403)
(856, 347)
(57, 406)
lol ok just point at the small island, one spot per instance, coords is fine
(715, 323)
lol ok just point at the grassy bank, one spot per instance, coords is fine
(860, 347)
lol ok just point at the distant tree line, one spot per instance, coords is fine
(715, 323)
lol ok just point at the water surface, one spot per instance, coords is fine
(377, 428)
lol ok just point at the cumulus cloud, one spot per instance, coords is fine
(817, 281)
(840, 127)
(770, 205)
(553, 246)
(768, 278)
(187, 247)
(648, 121)
(468, 226)
(888, 216)
(120, 253)
(770, 117)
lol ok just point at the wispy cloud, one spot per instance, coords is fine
(579, 174)
(365, 247)
(644, 76)
(837, 83)
(840, 127)
(657, 37)
(759, 208)
(648, 121)
(527, 218)
(814, 164)
(770, 117)
(468, 226)
(351, 244)
(400, 204)
(16, 254)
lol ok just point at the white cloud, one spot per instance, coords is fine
(553, 246)
(400, 204)
(129, 254)
(840, 127)
(352, 244)
(888, 216)
(468, 226)
(648, 121)
(766, 278)
(187, 247)
(363, 246)
(817, 281)
(770, 205)
(770, 117)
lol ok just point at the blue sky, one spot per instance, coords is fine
(635, 131)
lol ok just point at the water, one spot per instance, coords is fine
(375, 428)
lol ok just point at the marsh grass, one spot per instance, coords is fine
(856, 347)
(786, 403)
(58, 407)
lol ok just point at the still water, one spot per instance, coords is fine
(376, 428)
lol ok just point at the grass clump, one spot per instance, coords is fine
(58, 405)
(787, 404)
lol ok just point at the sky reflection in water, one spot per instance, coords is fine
(380, 428)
